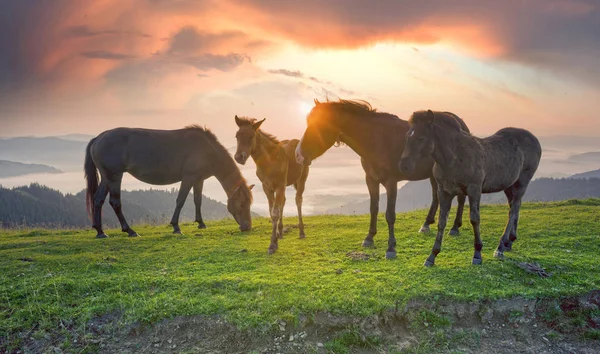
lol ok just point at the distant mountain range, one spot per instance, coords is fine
(13, 169)
(589, 174)
(40, 206)
(57, 152)
(587, 157)
(417, 195)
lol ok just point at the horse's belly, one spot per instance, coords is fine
(155, 177)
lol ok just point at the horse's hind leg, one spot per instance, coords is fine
(198, 203)
(373, 187)
(432, 209)
(114, 186)
(184, 190)
(99, 198)
(514, 194)
(300, 185)
(459, 214)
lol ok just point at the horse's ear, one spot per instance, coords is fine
(257, 124)
(238, 121)
(250, 187)
(317, 102)
(430, 116)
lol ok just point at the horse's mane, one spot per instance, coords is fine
(360, 108)
(444, 119)
(247, 121)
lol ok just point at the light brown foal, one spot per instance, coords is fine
(276, 168)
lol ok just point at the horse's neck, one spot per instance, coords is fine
(444, 150)
(357, 134)
(227, 173)
(263, 148)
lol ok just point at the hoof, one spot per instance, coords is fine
(390, 255)
(454, 232)
(428, 263)
(177, 232)
(425, 229)
(134, 234)
(271, 250)
(368, 243)
(102, 236)
(201, 226)
(498, 254)
(302, 236)
(477, 261)
(508, 248)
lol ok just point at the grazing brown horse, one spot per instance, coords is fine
(275, 167)
(379, 140)
(467, 165)
(162, 157)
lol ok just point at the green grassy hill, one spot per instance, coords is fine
(64, 279)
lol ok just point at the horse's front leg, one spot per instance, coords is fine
(430, 219)
(373, 187)
(445, 204)
(276, 215)
(184, 190)
(474, 200)
(455, 230)
(391, 188)
(198, 203)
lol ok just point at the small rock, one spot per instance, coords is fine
(546, 339)
(320, 345)
(169, 341)
(339, 271)
(291, 338)
(157, 345)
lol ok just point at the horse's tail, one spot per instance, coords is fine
(91, 176)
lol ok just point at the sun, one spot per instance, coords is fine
(304, 108)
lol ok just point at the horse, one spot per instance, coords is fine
(468, 165)
(379, 140)
(162, 157)
(276, 168)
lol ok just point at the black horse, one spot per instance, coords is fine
(379, 140)
(467, 165)
(162, 157)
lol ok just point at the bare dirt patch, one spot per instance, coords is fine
(518, 325)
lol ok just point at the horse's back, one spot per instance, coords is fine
(152, 156)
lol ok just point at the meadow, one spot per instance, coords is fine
(55, 283)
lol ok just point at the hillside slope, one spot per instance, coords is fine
(417, 195)
(107, 295)
(39, 206)
(13, 169)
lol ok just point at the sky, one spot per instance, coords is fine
(84, 66)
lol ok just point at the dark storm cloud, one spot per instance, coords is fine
(556, 35)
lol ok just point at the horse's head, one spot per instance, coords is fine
(246, 137)
(238, 204)
(419, 141)
(321, 133)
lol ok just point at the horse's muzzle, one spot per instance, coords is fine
(245, 227)
(406, 166)
(241, 157)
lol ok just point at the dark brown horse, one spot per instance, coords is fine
(379, 140)
(467, 165)
(162, 157)
(275, 167)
